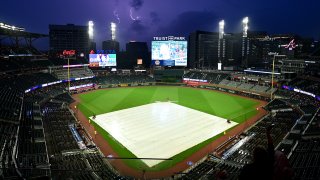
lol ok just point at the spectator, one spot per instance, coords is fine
(267, 164)
(260, 168)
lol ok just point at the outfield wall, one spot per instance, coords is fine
(227, 89)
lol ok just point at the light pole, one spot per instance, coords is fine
(68, 74)
(274, 54)
(67, 55)
(272, 75)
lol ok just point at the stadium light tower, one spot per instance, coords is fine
(221, 29)
(245, 42)
(245, 27)
(113, 28)
(90, 29)
(221, 44)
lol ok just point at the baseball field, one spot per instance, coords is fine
(223, 106)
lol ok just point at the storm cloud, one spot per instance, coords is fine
(191, 21)
(136, 4)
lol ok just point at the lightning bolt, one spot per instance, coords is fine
(115, 13)
(132, 17)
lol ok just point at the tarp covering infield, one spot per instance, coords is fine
(161, 129)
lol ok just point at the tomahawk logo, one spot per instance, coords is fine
(291, 45)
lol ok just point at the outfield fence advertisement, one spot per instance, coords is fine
(195, 82)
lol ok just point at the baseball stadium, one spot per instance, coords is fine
(163, 112)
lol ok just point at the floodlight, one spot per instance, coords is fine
(90, 29)
(113, 28)
(221, 23)
(221, 29)
(113, 25)
(245, 20)
(245, 26)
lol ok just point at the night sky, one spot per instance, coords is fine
(140, 20)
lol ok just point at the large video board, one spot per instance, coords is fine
(102, 60)
(169, 53)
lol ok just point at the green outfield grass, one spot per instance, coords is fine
(235, 108)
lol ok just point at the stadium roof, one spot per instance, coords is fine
(12, 33)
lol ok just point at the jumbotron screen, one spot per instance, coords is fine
(102, 60)
(169, 53)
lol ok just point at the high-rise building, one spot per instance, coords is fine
(111, 45)
(203, 49)
(93, 46)
(207, 49)
(69, 37)
(138, 50)
(258, 50)
(261, 44)
(248, 49)
(232, 51)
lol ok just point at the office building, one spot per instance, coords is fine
(68, 37)
(111, 45)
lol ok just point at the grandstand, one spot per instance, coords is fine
(45, 113)
(246, 84)
(17, 53)
(62, 74)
